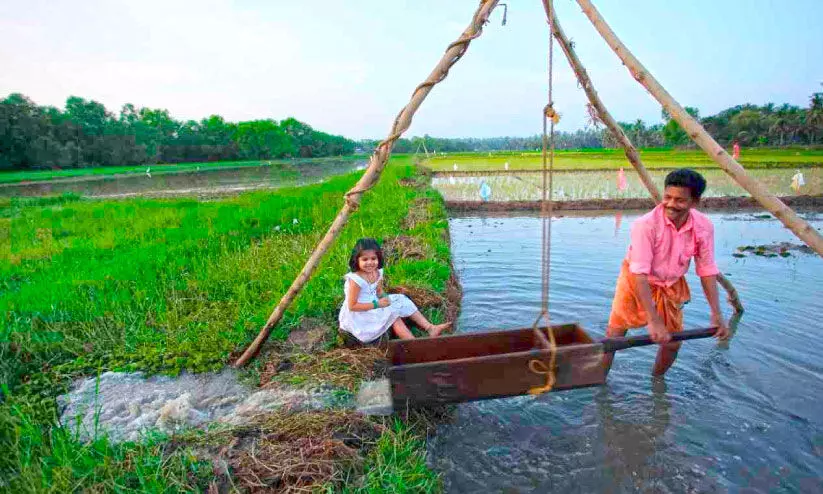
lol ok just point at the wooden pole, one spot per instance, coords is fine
(377, 163)
(698, 134)
(602, 113)
(611, 124)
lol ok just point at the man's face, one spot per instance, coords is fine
(677, 202)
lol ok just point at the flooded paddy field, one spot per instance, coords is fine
(205, 182)
(586, 185)
(728, 417)
(613, 159)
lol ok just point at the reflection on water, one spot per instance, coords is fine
(728, 416)
(199, 182)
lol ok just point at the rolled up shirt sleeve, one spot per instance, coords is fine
(704, 264)
(641, 249)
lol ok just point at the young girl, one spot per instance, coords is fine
(368, 311)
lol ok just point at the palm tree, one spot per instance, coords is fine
(814, 116)
(639, 129)
(781, 126)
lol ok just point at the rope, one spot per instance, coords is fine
(403, 119)
(550, 118)
(377, 162)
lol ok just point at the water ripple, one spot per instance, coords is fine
(728, 416)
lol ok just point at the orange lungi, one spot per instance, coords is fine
(628, 312)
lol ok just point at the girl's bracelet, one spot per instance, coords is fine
(375, 303)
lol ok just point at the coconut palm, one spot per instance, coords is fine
(814, 116)
(781, 126)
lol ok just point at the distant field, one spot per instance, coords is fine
(575, 186)
(608, 159)
(40, 175)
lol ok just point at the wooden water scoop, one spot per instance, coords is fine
(497, 364)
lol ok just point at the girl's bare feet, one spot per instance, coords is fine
(436, 329)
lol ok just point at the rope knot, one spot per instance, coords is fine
(539, 367)
(551, 114)
(352, 198)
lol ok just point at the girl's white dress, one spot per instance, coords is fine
(369, 325)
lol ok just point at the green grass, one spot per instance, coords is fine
(397, 465)
(163, 286)
(35, 460)
(612, 159)
(161, 168)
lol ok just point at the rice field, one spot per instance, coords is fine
(155, 169)
(574, 186)
(613, 159)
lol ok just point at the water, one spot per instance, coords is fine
(207, 181)
(727, 417)
(581, 185)
(125, 406)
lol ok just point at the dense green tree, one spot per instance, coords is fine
(673, 133)
(814, 118)
(86, 134)
(262, 139)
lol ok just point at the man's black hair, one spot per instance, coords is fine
(359, 247)
(686, 177)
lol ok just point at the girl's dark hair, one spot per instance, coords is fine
(684, 177)
(359, 247)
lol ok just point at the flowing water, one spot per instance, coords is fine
(207, 181)
(747, 414)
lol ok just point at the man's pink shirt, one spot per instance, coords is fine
(661, 251)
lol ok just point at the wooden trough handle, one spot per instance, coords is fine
(621, 343)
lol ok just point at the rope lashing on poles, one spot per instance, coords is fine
(402, 121)
(377, 163)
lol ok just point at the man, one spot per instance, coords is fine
(651, 289)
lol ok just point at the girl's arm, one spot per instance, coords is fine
(353, 292)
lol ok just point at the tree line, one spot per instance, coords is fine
(749, 125)
(86, 134)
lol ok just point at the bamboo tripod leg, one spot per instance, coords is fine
(372, 175)
(611, 124)
(604, 115)
(698, 134)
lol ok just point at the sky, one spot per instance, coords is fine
(348, 67)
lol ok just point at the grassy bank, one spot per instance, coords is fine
(160, 168)
(171, 285)
(612, 159)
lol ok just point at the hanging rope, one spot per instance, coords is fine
(550, 118)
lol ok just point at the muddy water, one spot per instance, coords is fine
(194, 183)
(727, 417)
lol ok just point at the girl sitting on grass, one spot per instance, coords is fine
(368, 311)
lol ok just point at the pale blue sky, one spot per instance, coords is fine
(348, 67)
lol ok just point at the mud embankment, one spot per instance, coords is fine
(708, 203)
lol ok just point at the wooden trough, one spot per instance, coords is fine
(477, 366)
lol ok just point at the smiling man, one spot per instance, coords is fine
(651, 289)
